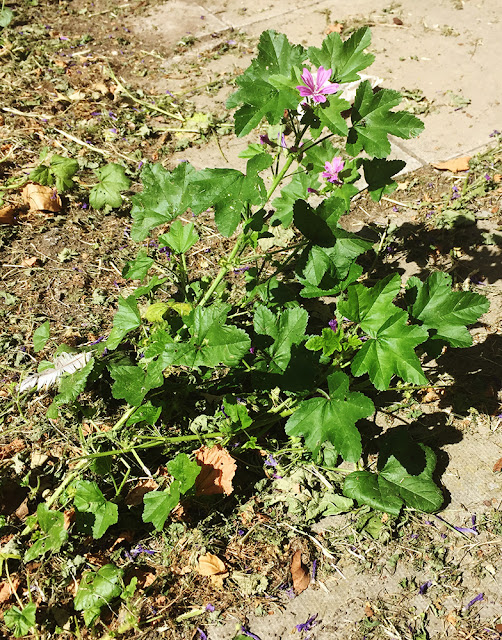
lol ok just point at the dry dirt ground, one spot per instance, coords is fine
(89, 80)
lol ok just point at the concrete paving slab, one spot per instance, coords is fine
(449, 54)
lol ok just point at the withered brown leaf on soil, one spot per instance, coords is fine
(5, 589)
(30, 262)
(210, 565)
(336, 27)
(40, 198)
(497, 466)
(8, 214)
(397, 21)
(368, 611)
(455, 165)
(217, 471)
(299, 573)
(10, 449)
(137, 493)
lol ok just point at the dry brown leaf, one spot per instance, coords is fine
(455, 165)
(336, 27)
(430, 395)
(136, 494)
(217, 471)
(9, 450)
(397, 21)
(497, 466)
(22, 511)
(299, 573)
(498, 627)
(368, 611)
(497, 177)
(40, 198)
(210, 565)
(5, 589)
(30, 262)
(8, 214)
(68, 518)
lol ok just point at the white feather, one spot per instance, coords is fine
(64, 363)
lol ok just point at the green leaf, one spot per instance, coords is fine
(390, 349)
(164, 197)
(373, 121)
(416, 491)
(295, 190)
(138, 268)
(184, 470)
(180, 237)
(229, 192)
(329, 342)
(20, 621)
(444, 311)
(286, 329)
(126, 319)
(132, 383)
(320, 420)
(145, 413)
(373, 490)
(236, 411)
(6, 17)
(405, 475)
(112, 180)
(159, 504)
(330, 116)
(89, 499)
(378, 174)
(268, 86)
(344, 58)
(97, 589)
(63, 170)
(52, 525)
(212, 341)
(41, 336)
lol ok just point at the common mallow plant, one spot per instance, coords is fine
(181, 347)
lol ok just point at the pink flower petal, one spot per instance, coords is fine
(330, 88)
(308, 79)
(323, 76)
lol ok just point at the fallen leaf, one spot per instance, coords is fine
(397, 21)
(299, 573)
(497, 177)
(430, 395)
(9, 450)
(497, 466)
(210, 565)
(5, 589)
(68, 518)
(455, 165)
(22, 511)
(217, 471)
(40, 198)
(451, 618)
(336, 27)
(368, 611)
(145, 577)
(30, 262)
(136, 494)
(8, 214)
(498, 627)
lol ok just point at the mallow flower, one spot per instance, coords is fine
(319, 88)
(332, 169)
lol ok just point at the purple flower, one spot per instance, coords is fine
(494, 133)
(468, 529)
(310, 190)
(320, 87)
(424, 587)
(249, 634)
(282, 140)
(479, 597)
(202, 635)
(332, 169)
(307, 626)
(264, 139)
(210, 607)
(487, 177)
(271, 461)
(333, 324)
(139, 549)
